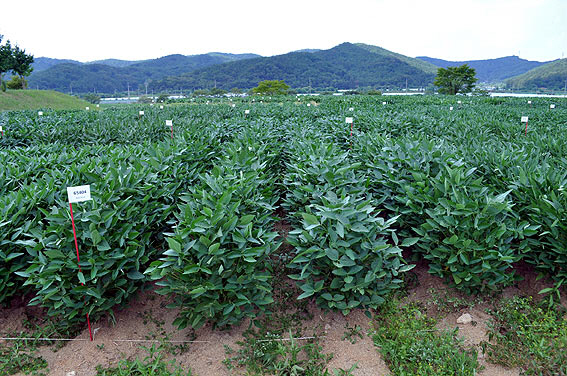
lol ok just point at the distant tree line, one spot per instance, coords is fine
(16, 60)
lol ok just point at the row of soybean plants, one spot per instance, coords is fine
(135, 191)
(475, 192)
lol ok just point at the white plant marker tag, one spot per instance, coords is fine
(308, 104)
(351, 109)
(459, 102)
(233, 105)
(383, 103)
(141, 113)
(161, 107)
(169, 123)
(451, 108)
(98, 105)
(151, 104)
(246, 112)
(207, 102)
(79, 193)
(1, 130)
(524, 119)
(86, 108)
(349, 120)
(529, 102)
(40, 113)
(552, 106)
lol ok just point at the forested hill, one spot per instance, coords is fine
(552, 76)
(346, 66)
(490, 70)
(104, 78)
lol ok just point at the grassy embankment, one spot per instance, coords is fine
(39, 99)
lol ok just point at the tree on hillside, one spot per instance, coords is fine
(22, 64)
(453, 80)
(6, 60)
(272, 87)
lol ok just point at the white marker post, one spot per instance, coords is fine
(308, 104)
(524, 119)
(350, 121)
(161, 107)
(2, 131)
(383, 103)
(451, 108)
(98, 105)
(246, 112)
(79, 194)
(86, 108)
(551, 106)
(530, 103)
(459, 102)
(169, 123)
(40, 113)
(351, 109)
(233, 105)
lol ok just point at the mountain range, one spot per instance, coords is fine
(346, 66)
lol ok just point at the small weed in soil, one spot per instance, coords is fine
(20, 355)
(265, 353)
(151, 365)
(352, 334)
(410, 344)
(446, 303)
(528, 335)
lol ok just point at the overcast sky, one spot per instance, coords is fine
(141, 29)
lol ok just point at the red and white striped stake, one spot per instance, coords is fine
(79, 194)
(524, 119)
(169, 123)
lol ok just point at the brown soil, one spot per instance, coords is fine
(139, 321)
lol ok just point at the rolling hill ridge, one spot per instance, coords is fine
(346, 66)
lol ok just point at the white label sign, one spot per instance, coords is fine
(98, 105)
(246, 112)
(351, 109)
(459, 102)
(233, 105)
(169, 123)
(79, 193)
(308, 104)
(161, 107)
(529, 102)
(40, 113)
(1, 129)
(86, 108)
(384, 103)
(451, 108)
(524, 119)
(141, 113)
(552, 106)
(348, 120)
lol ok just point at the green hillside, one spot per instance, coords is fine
(490, 70)
(39, 99)
(104, 78)
(346, 66)
(551, 76)
(419, 64)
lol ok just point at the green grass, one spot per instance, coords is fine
(411, 345)
(152, 365)
(39, 99)
(528, 335)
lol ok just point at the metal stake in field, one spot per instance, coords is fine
(524, 119)
(79, 194)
